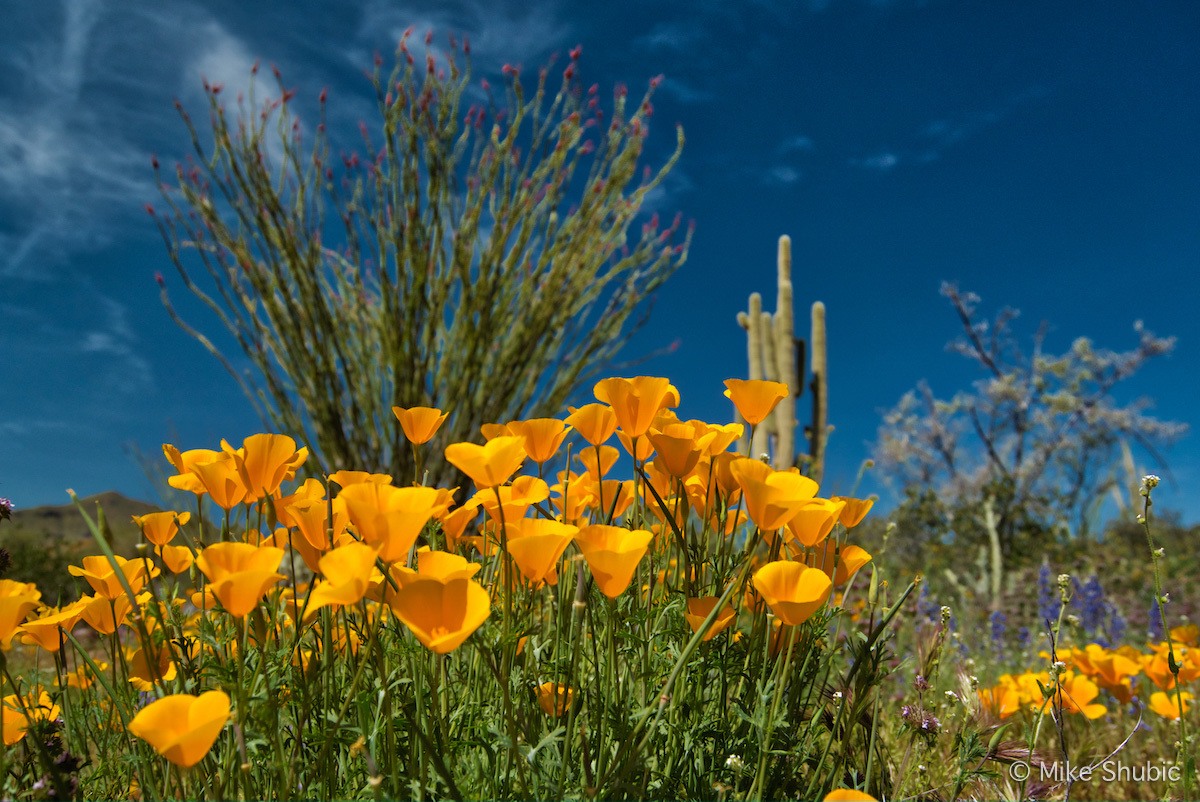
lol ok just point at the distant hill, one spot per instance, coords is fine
(43, 541)
(64, 523)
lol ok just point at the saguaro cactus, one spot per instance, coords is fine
(775, 354)
(818, 433)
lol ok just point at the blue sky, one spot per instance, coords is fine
(1043, 155)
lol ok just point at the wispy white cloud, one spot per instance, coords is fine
(671, 36)
(883, 162)
(782, 175)
(947, 132)
(686, 92)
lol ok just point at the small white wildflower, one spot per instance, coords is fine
(946, 613)
(837, 695)
(1159, 552)
(1165, 599)
(1149, 482)
(951, 696)
(734, 762)
(973, 681)
(1141, 519)
(1073, 620)
(1064, 580)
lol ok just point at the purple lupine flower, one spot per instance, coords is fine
(1049, 602)
(999, 628)
(1155, 629)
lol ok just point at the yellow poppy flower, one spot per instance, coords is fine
(488, 465)
(1166, 705)
(347, 572)
(16, 714)
(183, 728)
(222, 481)
(677, 447)
(46, 630)
(184, 463)
(848, 795)
(813, 522)
(265, 461)
(855, 510)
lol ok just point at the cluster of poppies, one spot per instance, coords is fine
(377, 548)
(1087, 673)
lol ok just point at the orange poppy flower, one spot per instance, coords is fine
(99, 573)
(848, 795)
(46, 629)
(698, 611)
(677, 447)
(849, 560)
(541, 436)
(347, 572)
(1166, 705)
(183, 728)
(595, 422)
(16, 713)
(106, 615)
(161, 527)
(176, 559)
(222, 481)
(772, 497)
(855, 510)
(755, 399)
(488, 465)
(265, 461)
(637, 401)
(554, 698)
(613, 554)
(16, 600)
(516, 498)
(793, 591)
(240, 574)
(813, 522)
(184, 463)
(442, 614)
(420, 424)
(536, 544)
(390, 518)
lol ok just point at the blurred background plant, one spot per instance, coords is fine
(478, 261)
(1027, 457)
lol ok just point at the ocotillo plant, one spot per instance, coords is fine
(776, 354)
(478, 261)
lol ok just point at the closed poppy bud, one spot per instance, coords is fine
(613, 554)
(488, 465)
(698, 611)
(637, 401)
(595, 422)
(792, 590)
(183, 728)
(161, 527)
(554, 698)
(442, 614)
(755, 399)
(420, 424)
